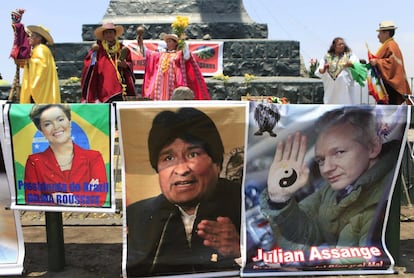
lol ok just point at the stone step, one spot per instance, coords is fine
(216, 30)
(295, 89)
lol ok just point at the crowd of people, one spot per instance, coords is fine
(108, 73)
(339, 81)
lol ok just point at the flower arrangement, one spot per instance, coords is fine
(248, 78)
(313, 65)
(221, 76)
(71, 80)
(178, 27)
(266, 99)
(279, 100)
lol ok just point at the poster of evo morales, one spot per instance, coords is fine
(182, 181)
(318, 185)
(62, 156)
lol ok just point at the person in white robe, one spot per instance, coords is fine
(333, 69)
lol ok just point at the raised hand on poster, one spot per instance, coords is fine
(288, 172)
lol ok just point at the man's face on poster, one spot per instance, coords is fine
(186, 172)
(341, 158)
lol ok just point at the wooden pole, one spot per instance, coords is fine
(55, 241)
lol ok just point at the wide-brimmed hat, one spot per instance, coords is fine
(119, 30)
(386, 25)
(42, 31)
(170, 36)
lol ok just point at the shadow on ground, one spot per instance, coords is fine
(407, 255)
(82, 260)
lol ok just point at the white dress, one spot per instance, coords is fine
(339, 87)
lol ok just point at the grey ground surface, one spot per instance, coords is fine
(94, 248)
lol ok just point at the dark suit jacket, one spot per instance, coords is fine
(147, 219)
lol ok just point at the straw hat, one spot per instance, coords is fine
(42, 31)
(119, 30)
(386, 25)
(170, 36)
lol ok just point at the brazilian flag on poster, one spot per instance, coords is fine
(61, 155)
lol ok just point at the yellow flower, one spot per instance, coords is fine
(71, 80)
(181, 22)
(221, 76)
(248, 78)
(179, 25)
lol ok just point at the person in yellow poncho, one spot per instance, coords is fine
(40, 82)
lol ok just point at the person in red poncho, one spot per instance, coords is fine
(169, 69)
(108, 71)
(390, 63)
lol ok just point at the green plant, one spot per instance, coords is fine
(313, 65)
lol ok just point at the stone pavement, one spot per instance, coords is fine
(93, 245)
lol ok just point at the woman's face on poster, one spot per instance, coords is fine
(55, 126)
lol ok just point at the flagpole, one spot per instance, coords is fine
(378, 78)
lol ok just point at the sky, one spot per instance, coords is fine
(314, 24)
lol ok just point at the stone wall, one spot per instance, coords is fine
(297, 90)
(216, 30)
(165, 11)
(257, 57)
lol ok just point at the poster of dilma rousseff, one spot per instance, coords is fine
(62, 156)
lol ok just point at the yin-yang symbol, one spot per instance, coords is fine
(290, 177)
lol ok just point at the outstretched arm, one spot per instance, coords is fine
(140, 40)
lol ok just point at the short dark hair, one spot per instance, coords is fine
(38, 109)
(188, 124)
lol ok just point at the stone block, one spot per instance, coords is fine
(257, 57)
(296, 89)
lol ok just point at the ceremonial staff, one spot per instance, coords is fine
(20, 51)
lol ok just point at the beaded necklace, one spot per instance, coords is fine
(166, 59)
(336, 63)
(113, 53)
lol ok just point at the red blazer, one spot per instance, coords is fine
(43, 177)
